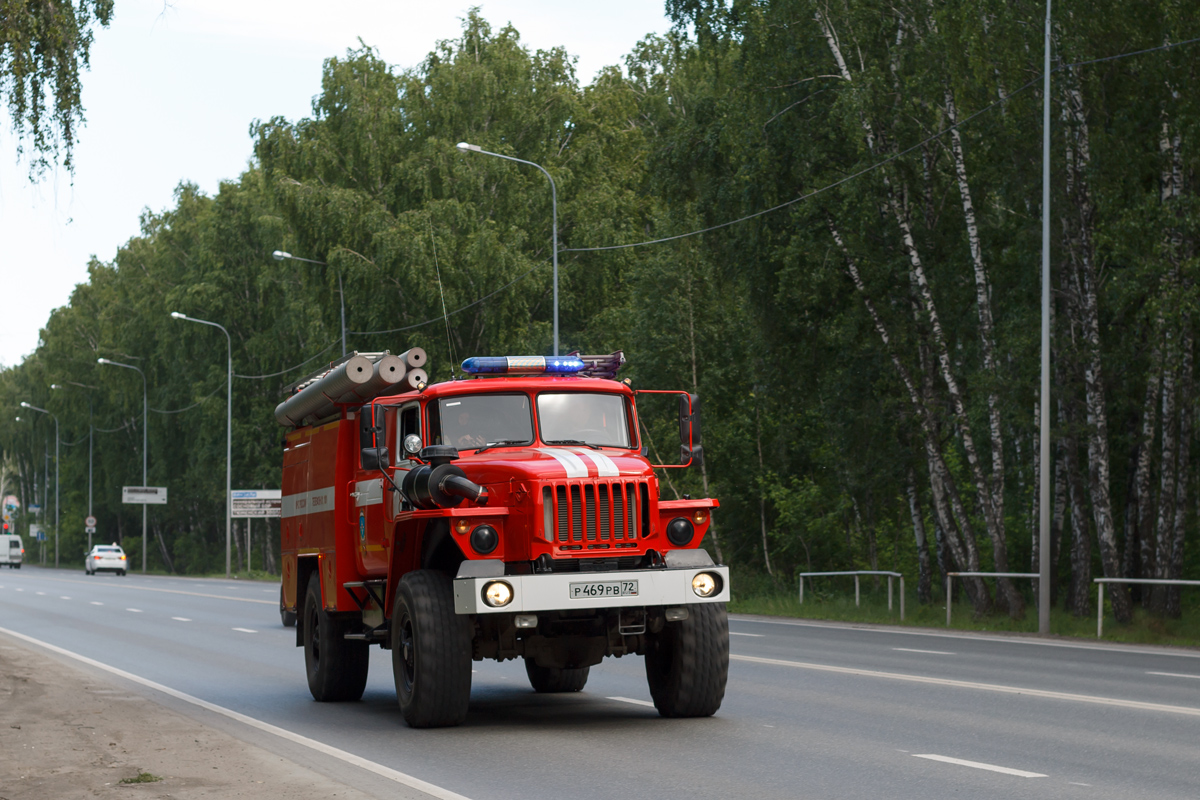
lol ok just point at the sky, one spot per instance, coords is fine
(174, 86)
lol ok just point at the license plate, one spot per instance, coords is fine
(602, 589)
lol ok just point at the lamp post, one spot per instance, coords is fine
(145, 423)
(281, 255)
(228, 430)
(90, 431)
(474, 148)
(1044, 423)
(44, 411)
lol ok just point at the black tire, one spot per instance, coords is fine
(687, 663)
(551, 680)
(337, 669)
(431, 651)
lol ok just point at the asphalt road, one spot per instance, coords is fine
(811, 710)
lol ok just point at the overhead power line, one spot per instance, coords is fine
(289, 369)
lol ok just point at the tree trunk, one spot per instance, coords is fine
(269, 549)
(1183, 474)
(924, 589)
(237, 545)
(762, 500)
(162, 548)
(1144, 542)
(1080, 596)
(946, 502)
(712, 523)
(1083, 253)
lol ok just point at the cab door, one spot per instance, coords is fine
(407, 423)
(367, 494)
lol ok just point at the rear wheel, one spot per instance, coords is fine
(687, 663)
(337, 669)
(431, 651)
(551, 680)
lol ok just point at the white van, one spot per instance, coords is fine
(12, 551)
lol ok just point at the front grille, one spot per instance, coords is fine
(597, 512)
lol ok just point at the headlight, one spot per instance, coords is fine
(680, 531)
(706, 584)
(484, 540)
(497, 594)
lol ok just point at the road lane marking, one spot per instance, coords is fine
(63, 597)
(1174, 675)
(41, 594)
(20, 590)
(1075, 783)
(986, 687)
(1020, 773)
(97, 603)
(134, 610)
(181, 619)
(358, 761)
(928, 652)
(245, 630)
(174, 591)
(631, 700)
(970, 637)
(739, 633)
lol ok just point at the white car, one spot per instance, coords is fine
(105, 558)
(12, 551)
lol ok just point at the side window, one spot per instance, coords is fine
(410, 423)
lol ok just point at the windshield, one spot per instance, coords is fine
(476, 420)
(583, 417)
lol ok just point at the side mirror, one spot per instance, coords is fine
(376, 458)
(689, 428)
(371, 427)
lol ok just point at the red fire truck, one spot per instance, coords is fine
(512, 513)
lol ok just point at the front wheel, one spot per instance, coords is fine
(337, 669)
(431, 651)
(551, 680)
(687, 663)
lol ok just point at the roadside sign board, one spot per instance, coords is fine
(90, 522)
(144, 495)
(90, 529)
(35, 508)
(256, 502)
(36, 533)
(11, 503)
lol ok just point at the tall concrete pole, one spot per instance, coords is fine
(1044, 487)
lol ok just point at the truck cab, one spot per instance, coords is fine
(509, 514)
(12, 550)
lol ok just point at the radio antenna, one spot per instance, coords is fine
(445, 316)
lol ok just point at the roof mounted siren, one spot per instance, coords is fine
(570, 364)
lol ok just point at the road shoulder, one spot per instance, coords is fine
(68, 733)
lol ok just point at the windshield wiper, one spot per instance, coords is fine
(501, 443)
(572, 441)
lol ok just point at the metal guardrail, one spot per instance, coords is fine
(1100, 594)
(856, 574)
(950, 576)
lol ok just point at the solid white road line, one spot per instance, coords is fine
(966, 636)
(631, 700)
(1020, 773)
(174, 591)
(245, 630)
(739, 633)
(334, 752)
(1174, 675)
(986, 687)
(929, 652)
(181, 619)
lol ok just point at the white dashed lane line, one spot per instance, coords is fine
(97, 603)
(245, 630)
(63, 597)
(739, 633)
(181, 619)
(1174, 675)
(1020, 773)
(134, 610)
(631, 700)
(41, 594)
(927, 652)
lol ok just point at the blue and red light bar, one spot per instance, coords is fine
(523, 365)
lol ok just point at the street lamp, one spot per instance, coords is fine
(90, 430)
(281, 255)
(228, 433)
(145, 423)
(474, 148)
(44, 411)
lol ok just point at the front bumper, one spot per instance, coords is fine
(552, 592)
